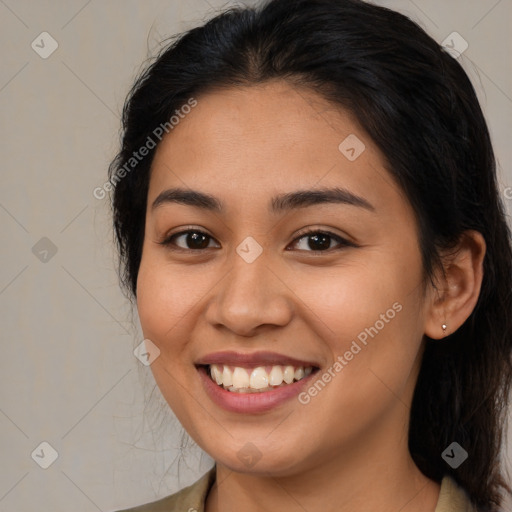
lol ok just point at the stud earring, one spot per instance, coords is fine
(444, 326)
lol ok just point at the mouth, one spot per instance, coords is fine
(253, 383)
(259, 379)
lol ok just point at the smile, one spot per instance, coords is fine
(256, 380)
(253, 383)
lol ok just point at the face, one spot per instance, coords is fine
(309, 308)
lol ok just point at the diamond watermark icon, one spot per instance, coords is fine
(146, 352)
(352, 147)
(44, 455)
(44, 45)
(249, 249)
(44, 250)
(249, 454)
(455, 45)
(454, 455)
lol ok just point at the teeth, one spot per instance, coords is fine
(289, 374)
(276, 376)
(259, 378)
(241, 380)
(299, 373)
(227, 377)
(216, 374)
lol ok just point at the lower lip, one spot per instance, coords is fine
(250, 402)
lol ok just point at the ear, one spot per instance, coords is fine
(457, 287)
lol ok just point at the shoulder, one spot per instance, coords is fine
(189, 499)
(453, 498)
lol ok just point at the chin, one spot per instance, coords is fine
(261, 459)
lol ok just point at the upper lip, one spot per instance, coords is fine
(252, 360)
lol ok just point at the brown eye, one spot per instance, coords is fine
(320, 241)
(314, 241)
(190, 240)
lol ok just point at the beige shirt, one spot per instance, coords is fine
(452, 498)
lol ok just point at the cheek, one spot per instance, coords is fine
(349, 300)
(165, 303)
(164, 297)
(372, 317)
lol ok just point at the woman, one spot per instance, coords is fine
(307, 215)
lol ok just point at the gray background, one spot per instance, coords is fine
(68, 373)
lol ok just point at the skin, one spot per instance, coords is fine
(346, 449)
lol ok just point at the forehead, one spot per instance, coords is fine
(253, 141)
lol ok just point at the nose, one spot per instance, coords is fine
(250, 298)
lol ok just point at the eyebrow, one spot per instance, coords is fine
(278, 204)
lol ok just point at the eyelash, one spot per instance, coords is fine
(343, 243)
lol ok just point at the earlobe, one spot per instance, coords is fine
(458, 286)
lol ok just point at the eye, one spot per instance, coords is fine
(193, 239)
(320, 241)
(197, 240)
